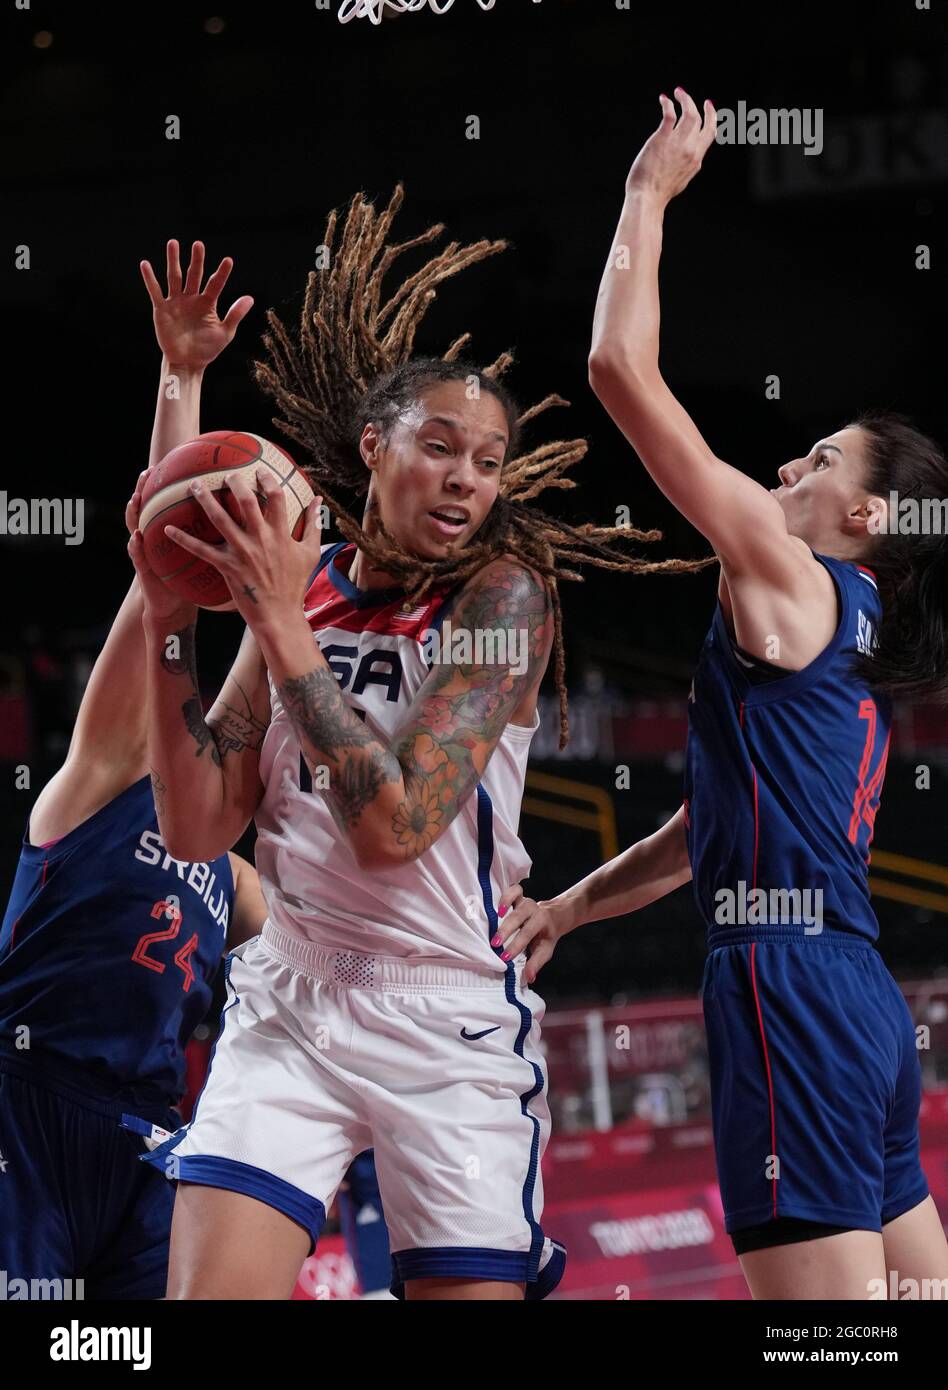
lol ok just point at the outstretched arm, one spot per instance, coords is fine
(642, 874)
(108, 749)
(741, 519)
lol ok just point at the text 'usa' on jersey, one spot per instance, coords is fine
(783, 779)
(109, 948)
(439, 904)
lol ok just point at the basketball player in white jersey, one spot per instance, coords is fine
(381, 743)
(373, 1011)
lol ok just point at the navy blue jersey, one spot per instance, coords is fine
(108, 950)
(783, 779)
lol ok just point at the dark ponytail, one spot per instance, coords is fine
(911, 658)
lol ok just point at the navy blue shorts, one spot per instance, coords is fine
(815, 1081)
(363, 1224)
(75, 1202)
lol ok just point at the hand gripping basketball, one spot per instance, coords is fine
(265, 569)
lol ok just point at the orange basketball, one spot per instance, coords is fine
(166, 500)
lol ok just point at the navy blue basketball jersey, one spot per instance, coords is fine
(783, 779)
(108, 951)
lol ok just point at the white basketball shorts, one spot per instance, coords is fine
(323, 1054)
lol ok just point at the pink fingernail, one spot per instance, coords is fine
(505, 955)
(501, 911)
(496, 940)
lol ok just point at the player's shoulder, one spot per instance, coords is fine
(507, 581)
(859, 579)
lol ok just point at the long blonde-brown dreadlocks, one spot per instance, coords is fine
(352, 362)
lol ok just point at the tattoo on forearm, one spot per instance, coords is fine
(359, 762)
(319, 710)
(440, 756)
(185, 664)
(230, 730)
(445, 750)
(198, 728)
(359, 781)
(235, 729)
(158, 790)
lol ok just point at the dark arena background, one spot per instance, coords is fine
(796, 291)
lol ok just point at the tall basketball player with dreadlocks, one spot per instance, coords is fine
(376, 1008)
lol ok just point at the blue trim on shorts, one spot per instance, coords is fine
(485, 855)
(212, 1171)
(550, 1275)
(476, 1262)
(157, 1155)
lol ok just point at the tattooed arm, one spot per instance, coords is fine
(204, 769)
(395, 798)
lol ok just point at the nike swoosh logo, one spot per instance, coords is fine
(473, 1037)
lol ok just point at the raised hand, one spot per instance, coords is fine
(187, 326)
(673, 154)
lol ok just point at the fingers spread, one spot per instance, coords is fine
(248, 502)
(275, 511)
(237, 311)
(218, 280)
(218, 516)
(174, 268)
(216, 555)
(196, 269)
(151, 283)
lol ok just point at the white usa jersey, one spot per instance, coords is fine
(437, 908)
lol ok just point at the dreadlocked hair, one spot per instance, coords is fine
(351, 362)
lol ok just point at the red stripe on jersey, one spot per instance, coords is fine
(326, 607)
(770, 1082)
(42, 885)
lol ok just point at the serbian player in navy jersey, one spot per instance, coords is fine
(109, 946)
(823, 613)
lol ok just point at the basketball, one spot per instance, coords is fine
(167, 500)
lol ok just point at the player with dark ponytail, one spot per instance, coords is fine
(909, 556)
(831, 600)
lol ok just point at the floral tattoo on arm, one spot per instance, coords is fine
(441, 751)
